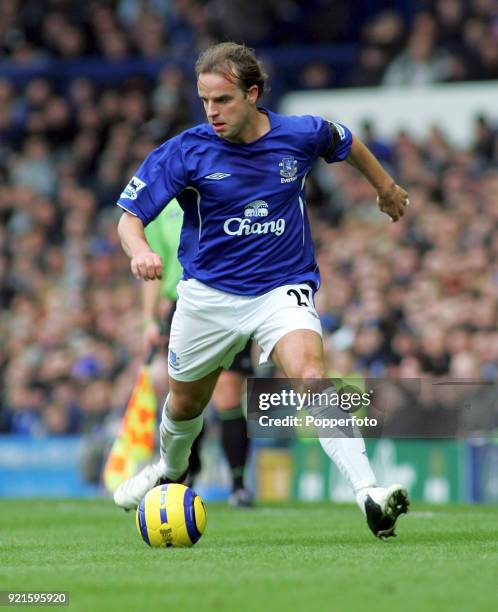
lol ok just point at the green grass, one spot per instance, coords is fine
(290, 557)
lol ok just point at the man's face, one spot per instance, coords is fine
(227, 107)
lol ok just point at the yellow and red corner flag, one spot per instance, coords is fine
(134, 443)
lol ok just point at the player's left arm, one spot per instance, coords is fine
(391, 198)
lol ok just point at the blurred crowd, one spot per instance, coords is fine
(448, 40)
(395, 41)
(418, 297)
(411, 299)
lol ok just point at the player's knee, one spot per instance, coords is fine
(183, 406)
(314, 369)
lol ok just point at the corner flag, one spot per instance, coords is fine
(134, 444)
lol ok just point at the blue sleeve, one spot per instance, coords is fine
(159, 179)
(334, 141)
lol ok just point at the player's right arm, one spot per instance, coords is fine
(144, 262)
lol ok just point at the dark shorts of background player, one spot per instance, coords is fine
(242, 364)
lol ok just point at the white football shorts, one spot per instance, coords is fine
(210, 327)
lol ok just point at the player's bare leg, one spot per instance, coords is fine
(181, 423)
(299, 354)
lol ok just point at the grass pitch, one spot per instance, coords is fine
(290, 557)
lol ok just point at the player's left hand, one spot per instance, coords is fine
(393, 202)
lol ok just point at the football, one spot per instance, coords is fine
(171, 515)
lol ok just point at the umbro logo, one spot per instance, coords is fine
(217, 176)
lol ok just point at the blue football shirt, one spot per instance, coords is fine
(245, 229)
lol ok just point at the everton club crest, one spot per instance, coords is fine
(288, 169)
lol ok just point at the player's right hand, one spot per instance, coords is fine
(147, 265)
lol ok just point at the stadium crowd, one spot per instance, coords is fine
(416, 298)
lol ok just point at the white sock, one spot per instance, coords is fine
(177, 438)
(350, 457)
